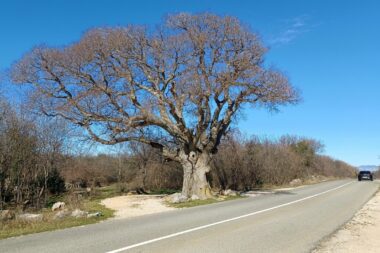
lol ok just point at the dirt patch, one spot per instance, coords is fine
(136, 205)
(361, 234)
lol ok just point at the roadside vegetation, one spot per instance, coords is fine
(88, 204)
(376, 174)
(242, 164)
(16, 227)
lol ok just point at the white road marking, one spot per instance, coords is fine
(223, 221)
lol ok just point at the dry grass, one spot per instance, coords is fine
(48, 223)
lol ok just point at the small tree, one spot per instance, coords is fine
(55, 182)
(177, 87)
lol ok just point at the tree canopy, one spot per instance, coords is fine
(178, 85)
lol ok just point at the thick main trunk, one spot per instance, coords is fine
(195, 166)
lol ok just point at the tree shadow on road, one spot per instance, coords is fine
(284, 193)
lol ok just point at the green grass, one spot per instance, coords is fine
(193, 203)
(106, 192)
(17, 227)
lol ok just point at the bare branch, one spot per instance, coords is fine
(185, 80)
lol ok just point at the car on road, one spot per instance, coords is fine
(365, 175)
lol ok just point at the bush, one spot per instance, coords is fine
(55, 182)
(244, 164)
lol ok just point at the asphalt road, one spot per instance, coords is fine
(290, 221)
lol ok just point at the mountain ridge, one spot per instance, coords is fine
(368, 167)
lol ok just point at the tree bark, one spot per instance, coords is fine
(195, 166)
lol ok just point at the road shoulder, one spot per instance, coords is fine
(361, 234)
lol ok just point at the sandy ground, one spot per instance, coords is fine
(136, 205)
(361, 234)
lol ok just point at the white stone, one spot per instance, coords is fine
(229, 192)
(194, 197)
(62, 214)
(96, 214)
(295, 182)
(58, 206)
(77, 213)
(30, 217)
(177, 198)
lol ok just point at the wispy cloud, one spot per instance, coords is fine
(290, 30)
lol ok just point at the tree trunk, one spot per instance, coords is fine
(195, 166)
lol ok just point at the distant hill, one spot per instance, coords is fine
(368, 167)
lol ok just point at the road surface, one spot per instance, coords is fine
(290, 221)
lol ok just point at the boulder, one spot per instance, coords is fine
(131, 193)
(30, 217)
(194, 197)
(229, 192)
(58, 206)
(77, 213)
(177, 198)
(6, 215)
(295, 182)
(88, 190)
(96, 214)
(62, 214)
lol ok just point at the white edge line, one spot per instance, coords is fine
(223, 221)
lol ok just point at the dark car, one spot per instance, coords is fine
(365, 175)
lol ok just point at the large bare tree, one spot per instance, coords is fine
(176, 87)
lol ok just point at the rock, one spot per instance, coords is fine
(229, 192)
(295, 182)
(77, 213)
(58, 206)
(62, 214)
(194, 197)
(30, 217)
(177, 198)
(132, 193)
(96, 214)
(6, 215)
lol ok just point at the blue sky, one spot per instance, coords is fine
(329, 50)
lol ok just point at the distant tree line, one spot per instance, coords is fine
(247, 163)
(241, 164)
(376, 174)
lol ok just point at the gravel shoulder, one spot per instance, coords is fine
(361, 234)
(136, 205)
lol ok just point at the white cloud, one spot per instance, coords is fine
(290, 30)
